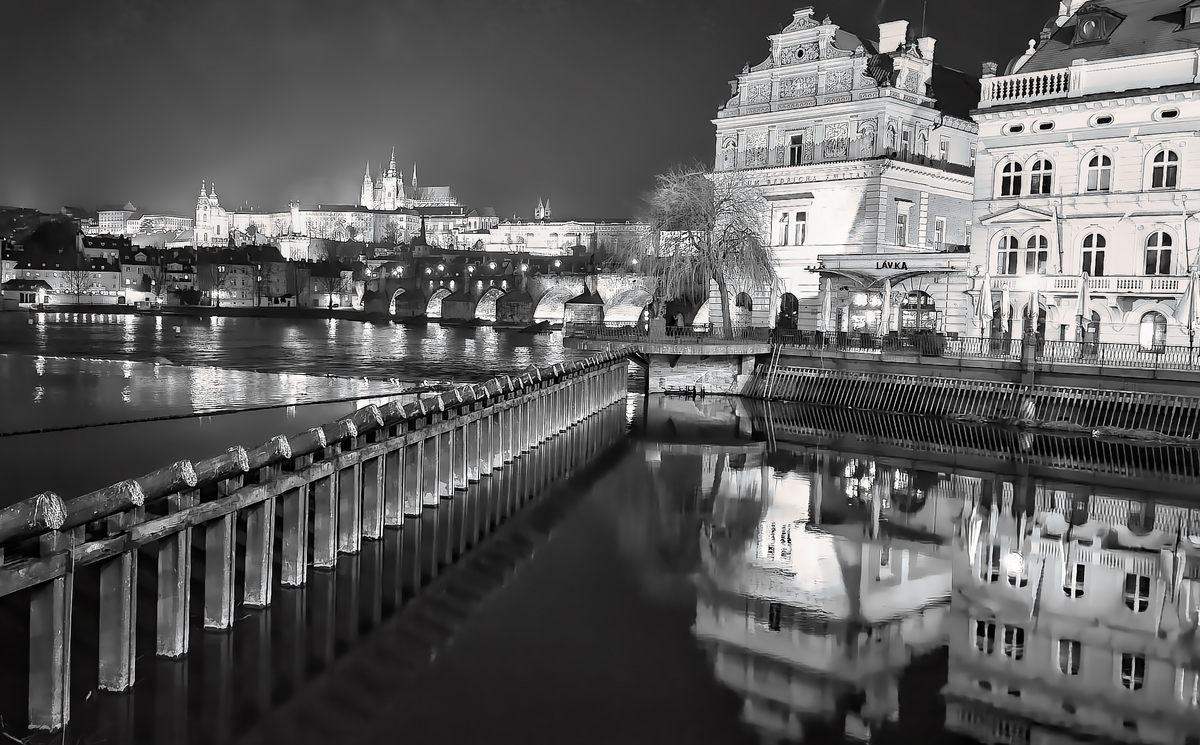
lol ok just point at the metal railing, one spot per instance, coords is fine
(1098, 354)
(641, 332)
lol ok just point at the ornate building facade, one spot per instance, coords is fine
(865, 152)
(1089, 177)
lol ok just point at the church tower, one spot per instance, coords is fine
(367, 198)
(414, 181)
(540, 212)
(391, 185)
(547, 212)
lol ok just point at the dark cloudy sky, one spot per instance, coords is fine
(579, 101)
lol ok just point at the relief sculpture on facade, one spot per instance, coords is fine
(807, 154)
(759, 93)
(837, 140)
(838, 81)
(910, 80)
(807, 86)
(756, 150)
(791, 55)
(789, 88)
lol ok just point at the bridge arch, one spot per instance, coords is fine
(433, 309)
(485, 309)
(627, 306)
(392, 302)
(552, 304)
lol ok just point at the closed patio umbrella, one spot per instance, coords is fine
(985, 304)
(827, 307)
(886, 322)
(1189, 305)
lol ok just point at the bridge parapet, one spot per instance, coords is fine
(351, 478)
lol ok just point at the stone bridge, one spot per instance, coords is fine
(508, 299)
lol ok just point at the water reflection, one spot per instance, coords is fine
(823, 576)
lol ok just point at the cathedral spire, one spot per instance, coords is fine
(203, 190)
(392, 165)
(414, 183)
(367, 176)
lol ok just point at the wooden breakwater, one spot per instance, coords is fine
(324, 491)
(1151, 416)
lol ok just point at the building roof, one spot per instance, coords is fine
(127, 207)
(428, 193)
(1148, 26)
(25, 285)
(106, 241)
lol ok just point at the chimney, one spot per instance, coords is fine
(891, 35)
(926, 45)
(989, 69)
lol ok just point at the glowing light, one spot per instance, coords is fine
(1014, 563)
(492, 265)
(634, 261)
(428, 270)
(524, 267)
(441, 267)
(557, 262)
(471, 269)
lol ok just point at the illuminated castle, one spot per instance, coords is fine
(389, 192)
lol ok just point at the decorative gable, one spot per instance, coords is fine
(1016, 216)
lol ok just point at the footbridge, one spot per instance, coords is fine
(508, 290)
(391, 495)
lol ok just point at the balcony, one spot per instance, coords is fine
(1023, 88)
(1164, 286)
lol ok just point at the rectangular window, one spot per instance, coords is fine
(1133, 671)
(796, 150)
(1006, 262)
(944, 149)
(1158, 261)
(905, 143)
(1073, 582)
(901, 228)
(973, 156)
(784, 229)
(801, 227)
(1137, 593)
(1093, 263)
(1014, 642)
(939, 231)
(1035, 262)
(985, 636)
(1069, 653)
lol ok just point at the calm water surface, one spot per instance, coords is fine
(338, 347)
(718, 576)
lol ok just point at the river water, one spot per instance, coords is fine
(722, 571)
(730, 574)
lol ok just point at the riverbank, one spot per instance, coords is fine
(239, 312)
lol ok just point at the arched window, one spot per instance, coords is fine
(1152, 332)
(1093, 255)
(743, 301)
(1036, 253)
(1006, 256)
(1041, 177)
(1165, 173)
(1158, 253)
(1099, 173)
(789, 311)
(743, 310)
(1010, 180)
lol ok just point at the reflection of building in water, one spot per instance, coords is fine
(814, 619)
(1077, 611)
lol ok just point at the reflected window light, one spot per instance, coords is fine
(471, 269)
(441, 267)
(492, 265)
(524, 267)
(428, 270)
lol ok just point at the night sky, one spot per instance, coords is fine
(506, 101)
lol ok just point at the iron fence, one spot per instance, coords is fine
(695, 333)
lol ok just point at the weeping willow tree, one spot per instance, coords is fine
(704, 227)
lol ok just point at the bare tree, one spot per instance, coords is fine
(703, 226)
(157, 276)
(391, 234)
(217, 279)
(78, 281)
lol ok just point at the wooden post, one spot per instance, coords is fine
(294, 565)
(472, 445)
(445, 477)
(412, 494)
(458, 457)
(393, 488)
(496, 448)
(260, 543)
(219, 552)
(372, 499)
(324, 522)
(349, 495)
(484, 465)
(429, 471)
(50, 640)
(175, 583)
(118, 610)
(506, 433)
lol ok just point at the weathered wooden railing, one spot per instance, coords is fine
(333, 487)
